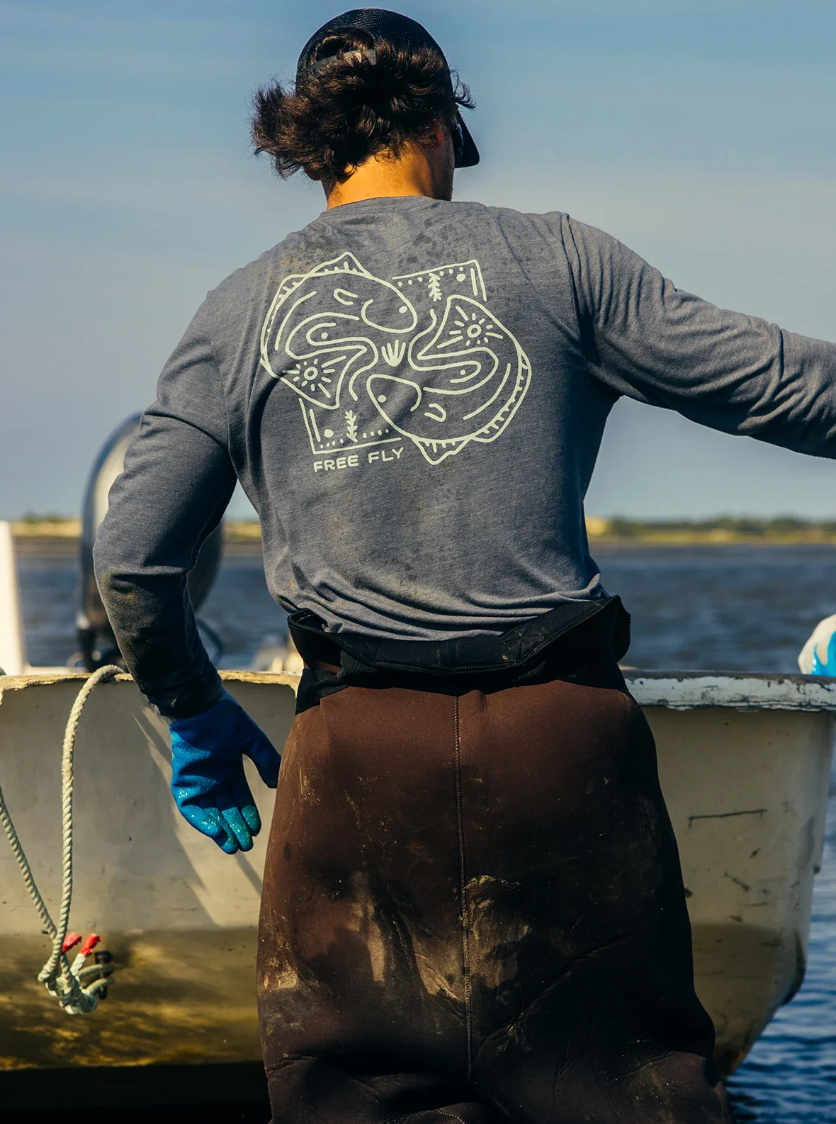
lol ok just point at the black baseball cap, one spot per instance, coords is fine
(391, 27)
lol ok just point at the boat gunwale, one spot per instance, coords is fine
(730, 690)
(671, 690)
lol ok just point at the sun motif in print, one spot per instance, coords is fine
(470, 329)
(311, 375)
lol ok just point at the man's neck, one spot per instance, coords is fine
(411, 174)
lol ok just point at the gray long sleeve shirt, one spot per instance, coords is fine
(413, 394)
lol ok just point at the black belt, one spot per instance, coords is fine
(569, 637)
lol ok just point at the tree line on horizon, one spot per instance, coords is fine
(719, 528)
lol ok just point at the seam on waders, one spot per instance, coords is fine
(468, 1021)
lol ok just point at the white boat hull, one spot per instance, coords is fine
(746, 788)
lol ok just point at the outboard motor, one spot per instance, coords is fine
(97, 643)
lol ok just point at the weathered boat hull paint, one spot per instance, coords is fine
(747, 792)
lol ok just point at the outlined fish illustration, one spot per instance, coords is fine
(373, 361)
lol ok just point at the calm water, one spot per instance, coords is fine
(712, 608)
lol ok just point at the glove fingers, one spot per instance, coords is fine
(250, 814)
(210, 822)
(241, 800)
(238, 826)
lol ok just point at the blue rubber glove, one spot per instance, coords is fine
(818, 656)
(207, 772)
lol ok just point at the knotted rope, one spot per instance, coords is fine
(62, 980)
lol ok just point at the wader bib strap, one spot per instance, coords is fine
(571, 636)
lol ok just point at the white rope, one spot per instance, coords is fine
(62, 980)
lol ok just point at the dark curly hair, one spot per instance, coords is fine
(357, 99)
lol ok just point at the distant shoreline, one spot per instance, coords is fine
(243, 536)
(720, 531)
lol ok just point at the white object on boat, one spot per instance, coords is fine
(744, 763)
(12, 642)
(818, 644)
(277, 655)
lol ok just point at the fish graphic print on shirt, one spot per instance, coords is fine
(419, 357)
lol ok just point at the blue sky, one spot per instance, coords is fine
(701, 134)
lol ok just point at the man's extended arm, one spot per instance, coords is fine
(655, 343)
(177, 482)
